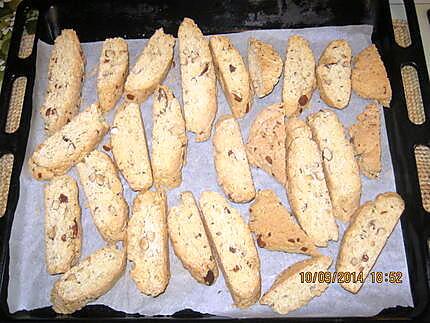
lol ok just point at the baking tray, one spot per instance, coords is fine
(96, 20)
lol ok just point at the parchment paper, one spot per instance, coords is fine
(30, 285)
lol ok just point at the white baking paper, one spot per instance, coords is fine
(30, 285)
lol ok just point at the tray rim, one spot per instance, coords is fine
(383, 37)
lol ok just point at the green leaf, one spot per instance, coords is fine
(13, 4)
(30, 27)
(5, 46)
(1, 77)
(3, 23)
(6, 11)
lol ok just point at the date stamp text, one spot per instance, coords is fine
(345, 277)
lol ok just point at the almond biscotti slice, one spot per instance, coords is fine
(266, 142)
(265, 66)
(169, 140)
(341, 170)
(65, 148)
(147, 243)
(234, 248)
(63, 229)
(275, 228)
(65, 79)
(113, 69)
(103, 188)
(231, 161)
(366, 236)
(189, 240)
(299, 76)
(289, 292)
(369, 77)
(88, 280)
(198, 80)
(129, 147)
(334, 74)
(306, 186)
(232, 74)
(366, 139)
(151, 67)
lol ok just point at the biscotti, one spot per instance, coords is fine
(169, 140)
(234, 248)
(198, 80)
(151, 67)
(265, 66)
(275, 228)
(289, 292)
(65, 79)
(103, 188)
(129, 147)
(266, 142)
(369, 77)
(231, 161)
(299, 76)
(59, 152)
(88, 280)
(232, 74)
(334, 74)
(366, 236)
(147, 243)
(63, 230)
(306, 186)
(340, 167)
(113, 69)
(366, 139)
(189, 240)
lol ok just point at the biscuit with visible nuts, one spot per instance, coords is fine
(151, 67)
(88, 280)
(299, 76)
(189, 240)
(306, 185)
(288, 292)
(366, 139)
(169, 140)
(231, 161)
(369, 77)
(275, 228)
(234, 248)
(63, 229)
(363, 241)
(266, 142)
(147, 243)
(65, 79)
(340, 167)
(232, 74)
(103, 188)
(129, 147)
(113, 69)
(65, 148)
(265, 66)
(198, 80)
(334, 74)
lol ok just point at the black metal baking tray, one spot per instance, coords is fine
(98, 19)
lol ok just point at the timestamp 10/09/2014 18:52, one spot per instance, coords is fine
(376, 277)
